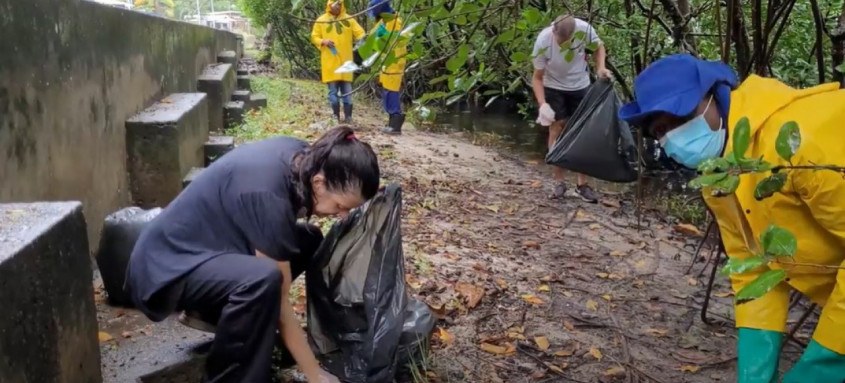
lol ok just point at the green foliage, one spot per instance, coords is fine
(769, 186)
(741, 138)
(762, 285)
(789, 138)
(739, 266)
(778, 242)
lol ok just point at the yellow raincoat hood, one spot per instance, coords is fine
(811, 205)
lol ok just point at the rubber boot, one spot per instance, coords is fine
(347, 113)
(394, 126)
(336, 111)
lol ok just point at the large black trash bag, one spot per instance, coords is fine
(361, 321)
(596, 142)
(121, 230)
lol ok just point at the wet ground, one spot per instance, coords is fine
(527, 289)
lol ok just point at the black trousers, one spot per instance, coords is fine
(241, 294)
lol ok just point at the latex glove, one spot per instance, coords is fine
(546, 115)
(758, 352)
(327, 43)
(819, 365)
(604, 73)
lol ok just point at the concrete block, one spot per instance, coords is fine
(163, 143)
(216, 147)
(228, 57)
(48, 325)
(241, 95)
(218, 82)
(243, 83)
(234, 112)
(240, 45)
(257, 101)
(243, 72)
(192, 175)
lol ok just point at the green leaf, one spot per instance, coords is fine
(329, 28)
(514, 84)
(490, 101)
(518, 56)
(726, 186)
(458, 60)
(769, 186)
(454, 99)
(788, 141)
(579, 35)
(592, 47)
(778, 242)
(460, 20)
(742, 138)
(569, 56)
(438, 79)
(840, 68)
(739, 266)
(762, 285)
(711, 165)
(431, 96)
(754, 165)
(369, 47)
(505, 37)
(532, 15)
(338, 28)
(387, 17)
(345, 23)
(707, 180)
(296, 5)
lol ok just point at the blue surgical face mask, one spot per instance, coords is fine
(693, 142)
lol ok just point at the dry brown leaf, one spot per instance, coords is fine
(532, 299)
(689, 368)
(567, 294)
(656, 332)
(493, 349)
(510, 349)
(517, 329)
(531, 245)
(692, 281)
(569, 325)
(126, 334)
(618, 253)
(568, 350)
(615, 372)
(516, 335)
(503, 284)
(542, 342)
(596, 353)
(445, 337)
(607, 297)
(536, 184)
(602, 275)
(685, 228)
(614, 276)
(724, 294)
(556, 369)
(594, 226)
(472, 293)
(544, 288)
(546, 278)
(641, 264)
(493, 208)
(104, 336)
(592, 305)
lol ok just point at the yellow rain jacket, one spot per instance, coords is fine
(811, 205)
(391, 76)
(325, 29)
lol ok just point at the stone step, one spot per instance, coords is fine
(243, 83)
(228, 57)
(243, 72)
(48, 325)
(241, 95)
(163, 143)
(257, 101)
(234, 113)
(218, 81)
(216, 147)
(191, 176)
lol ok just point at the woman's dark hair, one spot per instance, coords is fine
(346, 162)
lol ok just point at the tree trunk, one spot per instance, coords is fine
(636, 56)
(819, 22)
(837, 38)
(759, 42)
(740, 38)
(266, 45)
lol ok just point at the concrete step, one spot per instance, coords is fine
(216, 147)
(163, 143)
(191, 176)
(241, 95)
(257, 101)
(228, 57)
(243, 83)
(234, 113)
(218, 81)
(48, 325)
(243, 72)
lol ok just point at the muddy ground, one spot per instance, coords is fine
(533, 290)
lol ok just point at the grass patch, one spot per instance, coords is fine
(686, 208)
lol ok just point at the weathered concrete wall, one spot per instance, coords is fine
(71, 73)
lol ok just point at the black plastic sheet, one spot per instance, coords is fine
(595, 141)
(361, 322)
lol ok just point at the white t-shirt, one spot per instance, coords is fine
(559, 73)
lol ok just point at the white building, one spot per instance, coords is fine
(124, 4)
(227, 20)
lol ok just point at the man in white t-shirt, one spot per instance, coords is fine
(561, 79)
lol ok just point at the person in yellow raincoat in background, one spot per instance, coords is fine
(692, 106)
(334, 34)
(388, 27)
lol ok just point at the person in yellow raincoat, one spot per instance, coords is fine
(692, 106)
(334, 34)
(388, 27)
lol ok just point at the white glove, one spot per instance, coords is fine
(546, 116)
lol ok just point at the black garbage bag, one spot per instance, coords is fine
(361, 322)
(596, 142)
(121, 230)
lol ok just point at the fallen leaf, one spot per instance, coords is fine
(615, 372)
(493, 208)
(569, 325)
(516, 335)
(592, 305)
(493, 349)
(568, 350)
(546, 278)
(610, 202)
(615, 276)
(472, 293)
(602, 275)
(596, 353)
(656, 332)
(606, 297)
(126, 334)
(510, 349)
(567, 294)
(692, 281)
(538, 375)
(594, 226)
(640, 265)
(531, 245)
(556, 369)
(503, 284)
(685, 228)
(724, 294)
(536, 184)
(542, 342)
(517, 329)
(618, 253)
(544, 288)
(690, 369)
(104, 336)
(532, 299)
(445, 337)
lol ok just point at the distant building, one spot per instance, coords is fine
(124, 4)
(227, 20)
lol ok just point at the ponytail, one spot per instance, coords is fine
(346, 162)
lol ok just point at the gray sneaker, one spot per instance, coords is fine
(587, 194)
(560, 190)
(193, 320)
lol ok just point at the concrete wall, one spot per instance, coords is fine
(71, 73)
